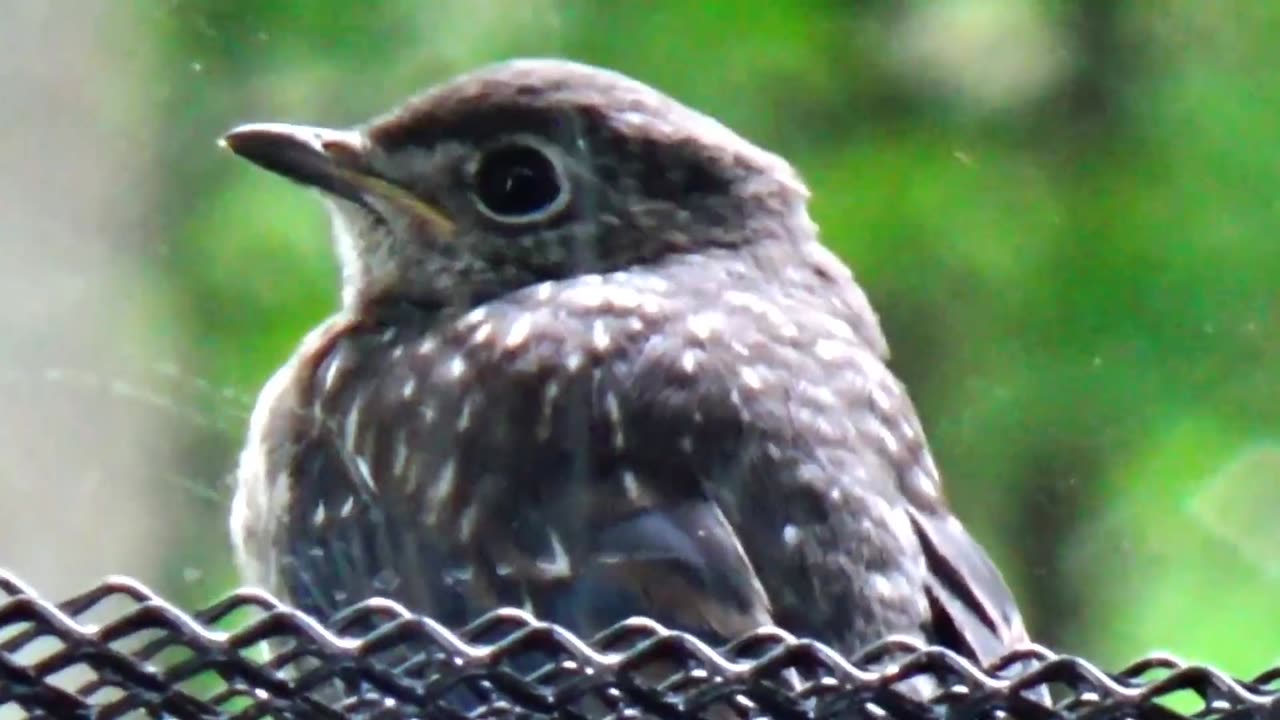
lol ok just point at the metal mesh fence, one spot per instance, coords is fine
(147, 658)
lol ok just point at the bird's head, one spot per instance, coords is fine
(526, 171)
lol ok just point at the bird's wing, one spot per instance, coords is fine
(972, 608)
(678, 563)
(969, 593)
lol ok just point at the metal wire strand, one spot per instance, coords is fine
(155, 660)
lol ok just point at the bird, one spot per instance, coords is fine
(592, 359)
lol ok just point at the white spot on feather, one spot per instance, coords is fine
(351, 426)
(819, 394)
(702, 325)
(586, 297)
(457, 366)
(900, 523)
(599, 336)
(441, 490)
(331, 373)
(400, 455)
(467, 523)
(464, 417)
(559, 566)
(456, 575)
(888, 440)
(882, 587)
(625, 298)
(614, 410)
(882, 399)
(790, 535)
(474, 318)
(925, 483)
(765, 309)
(363, 474)
(631, 485)
(519, 332)
(550, 392)
(689, 361)
(907, 432)
(831, 350)
(836, 326)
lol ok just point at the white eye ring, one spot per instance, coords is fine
(518, 180)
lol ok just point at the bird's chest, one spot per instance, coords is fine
(460, 444)
(595, 382)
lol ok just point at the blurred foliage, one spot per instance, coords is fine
(1065, 212)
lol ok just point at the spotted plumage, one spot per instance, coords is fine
(617, 375)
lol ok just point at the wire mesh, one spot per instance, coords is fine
(148, 658)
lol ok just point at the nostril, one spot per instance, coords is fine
(347, 152)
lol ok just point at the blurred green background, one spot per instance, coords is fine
(1066, 214)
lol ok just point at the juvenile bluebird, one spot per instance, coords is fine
(592, 360)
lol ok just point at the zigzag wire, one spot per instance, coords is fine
(125, 668)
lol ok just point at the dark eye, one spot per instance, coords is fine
(518, 183)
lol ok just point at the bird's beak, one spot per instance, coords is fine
(334, 161)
